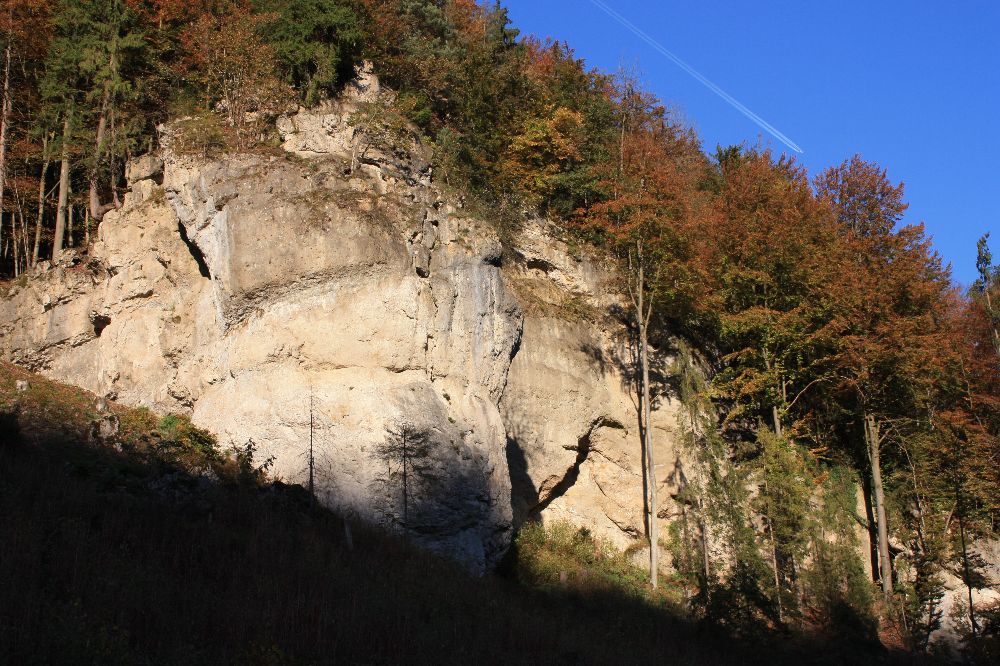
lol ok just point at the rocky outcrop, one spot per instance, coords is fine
(264, 293)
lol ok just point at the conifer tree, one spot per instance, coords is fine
(986, 284)
(316, 43)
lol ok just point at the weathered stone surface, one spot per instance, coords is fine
(105, 428)
(258, 283)
(954, 603)
(146, 167)
(570, 406)
(253, 287)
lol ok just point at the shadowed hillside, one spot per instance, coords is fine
(148, 545)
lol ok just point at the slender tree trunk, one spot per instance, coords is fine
(702, 523)
(102, 124)
(4, 130)
(989, 309)
(13, 236)
(643, 320)
(5, 109)
(797, 581)
(25, 264)
(873, 441)
(706, 562)
(406, 492)
(69, 226)
(774, 555)
(41, 200)
(57, 240)
(775, 413)
(96, 209)
(312, 459)
(965, 559)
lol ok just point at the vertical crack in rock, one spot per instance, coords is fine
(554, 487)
(195, 251)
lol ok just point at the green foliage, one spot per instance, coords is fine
(836, 589)
(249, 471)
(383, 125)
(196, 446)
(317, 43)
(563, 557)
(786, 485)
(922, 595)
(716, 492)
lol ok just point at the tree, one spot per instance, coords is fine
(545, 148)
(641, 222)
(235, 68)
(989, 277)
(406, 454)
(774, 254)
(113, 39)
(316, 43)
(24, 30)
(786, 486)
(889, 309)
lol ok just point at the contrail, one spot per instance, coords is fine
(733, 102)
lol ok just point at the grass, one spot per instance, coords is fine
(153, 547)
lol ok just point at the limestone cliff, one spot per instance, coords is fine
(333, 277)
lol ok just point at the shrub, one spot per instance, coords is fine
(563, 556)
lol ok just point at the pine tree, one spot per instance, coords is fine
(316, 43)
(989, 277)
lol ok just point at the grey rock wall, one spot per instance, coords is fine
(245, 290)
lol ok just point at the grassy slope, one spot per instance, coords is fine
(125, 552)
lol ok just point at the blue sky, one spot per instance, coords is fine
(911, 84)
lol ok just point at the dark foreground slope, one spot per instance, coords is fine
(147, 545)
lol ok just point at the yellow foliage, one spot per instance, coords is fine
(546, 146)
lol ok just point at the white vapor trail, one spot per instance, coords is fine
(732, 101)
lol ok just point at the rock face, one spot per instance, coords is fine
(262, 293)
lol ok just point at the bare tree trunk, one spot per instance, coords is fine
(873, 441)
(312, 459)
(96, 209)
(774, 554)
(69, 226)
(989, 309)
(706, 563)
(4, 130)
(57, 240)
(702, 523)
(24, 243)
(406, 493)
(643, 312)
(41, 200)
(102, 124)
(775, 414)
(13, 236)
(797, 582)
